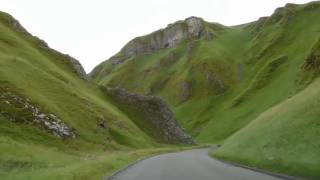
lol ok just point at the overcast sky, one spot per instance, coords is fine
(94, 30)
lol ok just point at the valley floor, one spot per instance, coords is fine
(38, 163)
(187, 165)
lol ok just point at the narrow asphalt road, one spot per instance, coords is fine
(187, 165)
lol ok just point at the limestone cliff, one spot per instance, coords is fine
(173, 34)
(190, 29)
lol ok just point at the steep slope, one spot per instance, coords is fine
(253, 87)
(55, 123)
(190, 29)
(166, 71)
(277, 52)
(34, 75)
(219, 81)
(283, 138)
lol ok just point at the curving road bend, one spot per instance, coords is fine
(187, 165)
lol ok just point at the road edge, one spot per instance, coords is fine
(255, 169)
(114, 174)
(274, 174)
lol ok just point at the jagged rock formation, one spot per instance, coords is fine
(18, 109)
(78, 68)
(240, 62)
(240, 89)
(151, 114)
(190, 29)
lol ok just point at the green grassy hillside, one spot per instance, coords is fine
(218, 86)
(283, 138)
(252, 87)
(47, 78)
(44, 96)
(252, 82)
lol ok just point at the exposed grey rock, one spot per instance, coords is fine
(195, 26)
(210, 36)
(78, 68)
(185, 91)
(157, 65)
(154, 115)
(240, 72)
(42, 43)
(40, 115)
(311, 6)
(190, 28)
(190, 48)
(313, 60)
(16, 24)
(19, 109)
(216, 82)
(102, 124)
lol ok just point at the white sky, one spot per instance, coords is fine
(94, 30)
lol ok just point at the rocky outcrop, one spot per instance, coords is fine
(78, 68)
(283, 15)
(216, 83)
(185, 91)
(151, 114)
(190, 28)
(18, 109)
(313, 60)
(240, 72)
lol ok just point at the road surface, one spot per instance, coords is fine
(187, 165)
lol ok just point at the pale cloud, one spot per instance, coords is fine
(94, 30)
